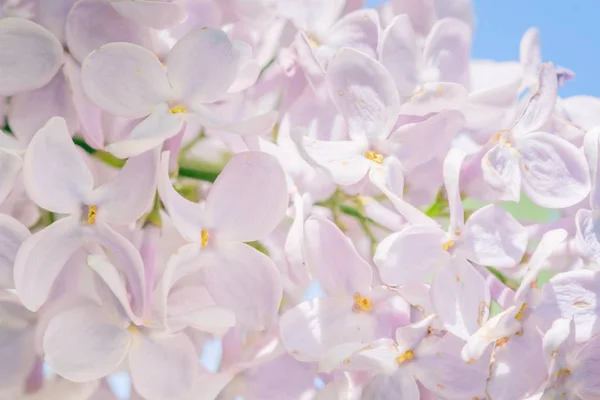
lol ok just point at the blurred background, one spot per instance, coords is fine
(570, 33)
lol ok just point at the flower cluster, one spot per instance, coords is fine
(291, 199)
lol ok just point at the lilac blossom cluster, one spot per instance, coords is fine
(323, 192)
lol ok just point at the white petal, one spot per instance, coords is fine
(149, 134)
(30, 56)
(54, 245)
(154, 14)
(202, 66)
(56, 176)
(493, 237)
(399, 54)
(125, 79)
(364, 92)
(249, 198)
(130, 193)
(93, 23)
(83, 344)
(187, 216)
(246, 281)
(555, 173)
(12, 235)
(163, 367)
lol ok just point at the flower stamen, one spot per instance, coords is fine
(92, 211)
(180, 109)
(362, 303)
(375, 157)
(448, 245)
(204, 236)
(519, 315)
(407, 356)
(563, 372)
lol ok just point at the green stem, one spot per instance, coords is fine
(439, 206)
(200, 170)
(363, 221)
(101, 155)
(187, 168)
(153, 217)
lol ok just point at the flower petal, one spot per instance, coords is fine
(499, 326)
(381, 177)
(530, 54)
(452, 166)
(249, 198)
(89, 115)
(314, 16)
(30, 56)
(541, 104)
(83, 343)
(149, 134)
(443, 372)
(571, 295)
(591, 147)
(460, 298)
(125, 256)
(187, 216)
(411, 255)
(130, 194)
(396, 386)
(10, 168)
(51, 100)
(493, 237)
(588, 233)
(501, 172)
(435, 97)
(364, 93)
(336, 264)
(163, 367)
(115, 282)
(547, 245)
(448, 50)
(246, 281)
(54, 245)
(154, 14)
(18, 359)
(343, 160)
(191, 305)
(358, 30)
(418, 143)
(399, 54)
(56, 176)
(547, 159)
(93, 23)
(309, 330)
(125, 79)
(196, 83)
(12, 235)
(518, 368)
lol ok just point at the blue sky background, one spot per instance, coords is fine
(570, 33)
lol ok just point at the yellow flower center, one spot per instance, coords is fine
(204, 236)
(407, 356)
(362, 303)
(563, 372)
(519, 315)
(448, 245)
(133, 329)
(180, 109)
(91, 214)
(375, 157)
(313, 41)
